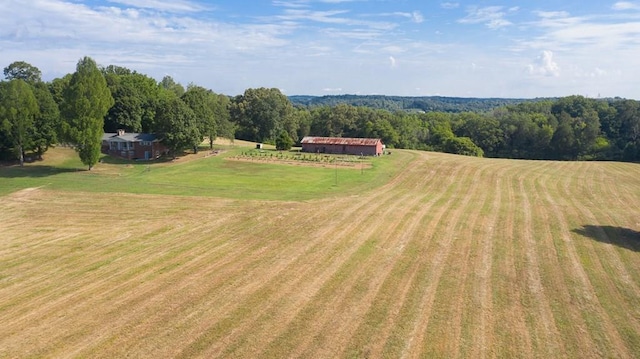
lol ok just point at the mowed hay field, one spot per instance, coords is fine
(452, 257)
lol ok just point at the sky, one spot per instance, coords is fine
(507, 49)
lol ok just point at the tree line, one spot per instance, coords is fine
(79, 107)
(568, 128)
(408, 103)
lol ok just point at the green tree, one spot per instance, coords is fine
(115, 70)
(203, 103)
(284, 142)
(526, 134)
(377, 124)
(176, 125)
(412, 132)
(623, 129)
(261, 114)
(563, 143)
(47, 122)
(135, 100)
(226, 128)
(23, 71)
(18, 110)
(338, 121)
(439, 130)
(86, 101)
(168, 83)
(303, 116)
(462, 146)
(482, 130)
(57, 88)
(581, 115)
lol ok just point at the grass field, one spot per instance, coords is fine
(422, 255)
(205, 175)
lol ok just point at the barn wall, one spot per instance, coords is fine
(343, 149)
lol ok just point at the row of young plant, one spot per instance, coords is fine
(299, 156)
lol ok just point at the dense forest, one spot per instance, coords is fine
(410, 104)
(77, 108)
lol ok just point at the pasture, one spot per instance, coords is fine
(422, 255)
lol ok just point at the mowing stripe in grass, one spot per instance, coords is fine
(366, 215)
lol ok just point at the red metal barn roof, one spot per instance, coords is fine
(341, 141)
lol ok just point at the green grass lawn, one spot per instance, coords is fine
(198, 175)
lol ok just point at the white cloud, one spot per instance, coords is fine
(552, 14)
(594, 34)
(310, 46)
(626, 5)
(417, 17)
(162, 5)
(307, 3)
(450, 5)
(394, 49)
(337, 1)
(125, 36)
(330, 17)
(544, 65)
(492, 16)
(291, 4)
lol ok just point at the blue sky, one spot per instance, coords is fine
(320, 47)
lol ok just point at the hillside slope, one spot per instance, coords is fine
(453, 257)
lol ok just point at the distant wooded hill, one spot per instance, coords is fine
(407, 103)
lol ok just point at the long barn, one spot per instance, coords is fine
(343, 145)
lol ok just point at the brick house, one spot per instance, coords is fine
(132, 146)
(340, 145)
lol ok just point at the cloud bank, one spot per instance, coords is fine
(312, 46)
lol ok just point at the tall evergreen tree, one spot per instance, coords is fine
(86, 101)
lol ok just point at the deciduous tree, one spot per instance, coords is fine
(18, 111)
(46, 122)
(261, 114)
(23, 71)
(168, 83)
(284, 142)
(135, 100)
(203, 103)
(176, 125)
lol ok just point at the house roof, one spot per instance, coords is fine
(129, 137)
(348, 141)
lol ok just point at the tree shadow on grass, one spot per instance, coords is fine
(619, 236)
(33, 171)
(123, 161)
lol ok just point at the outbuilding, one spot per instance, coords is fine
(343, 145)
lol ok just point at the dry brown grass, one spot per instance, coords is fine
(455, 257)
